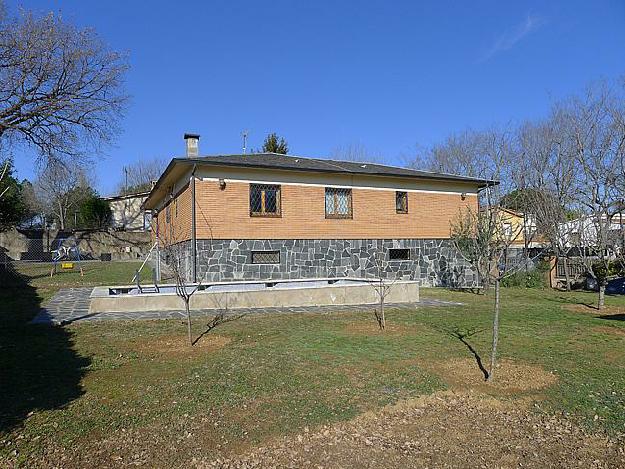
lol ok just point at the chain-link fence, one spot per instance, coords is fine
(17, 272)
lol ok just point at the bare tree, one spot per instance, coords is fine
(550, 176)
(183, 289)
(488, 154)
(61, 188)
(138, 177)
(357, 152)
(4, 171)
(60, 87)
(178, 262)
(172, 241)
(484, 241)
(597, 143)
(382, 284)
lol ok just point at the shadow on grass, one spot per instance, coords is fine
(612, 317)
(40, 370)
(217, 320)
(462, 335)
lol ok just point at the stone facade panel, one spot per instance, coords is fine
(433, 262)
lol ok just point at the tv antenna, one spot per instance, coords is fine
(244, 134)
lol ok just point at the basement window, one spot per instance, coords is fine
(402, 254)
(265, 200)
(265, 257)
(401, 202)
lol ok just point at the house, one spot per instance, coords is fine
(582, 232)
(519, 229)
(272, 216)
(127, 212)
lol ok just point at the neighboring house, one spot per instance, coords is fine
(519, 229)
(127, 213)
(582, 231)
(271, 216)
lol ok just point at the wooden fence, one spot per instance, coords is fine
(577, 268)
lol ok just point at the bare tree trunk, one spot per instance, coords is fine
(485, 281)
(567, 274)
(481, 281)
(61, 217)
(493, 352)
(186, 304)
(601, 295)
(526, 250)
(382, 319)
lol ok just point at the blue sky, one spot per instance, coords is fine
(324, 74)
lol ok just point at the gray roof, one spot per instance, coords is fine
(300, 163)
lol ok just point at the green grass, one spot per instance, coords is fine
(71, 387)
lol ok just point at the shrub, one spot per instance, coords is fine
(603, 272)
(535, 278)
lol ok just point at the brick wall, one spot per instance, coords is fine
(224, 214)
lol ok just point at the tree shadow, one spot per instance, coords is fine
(39, 368)
(462, 335)
(612, 317)
(217, 320)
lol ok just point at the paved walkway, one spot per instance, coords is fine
(72, 305)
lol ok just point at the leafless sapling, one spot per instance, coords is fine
(481, 238)
(382, 284)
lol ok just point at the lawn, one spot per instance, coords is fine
(107, 392)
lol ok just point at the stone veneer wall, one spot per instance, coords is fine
(434, 262)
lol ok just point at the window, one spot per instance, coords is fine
(338, 203)
(507, 230)
(401, 202)
(402, 254)
(264, 200)
(147, 221)
(168, 213)
(265, 257)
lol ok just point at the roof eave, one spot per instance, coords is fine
(148, 204)
(438, 177)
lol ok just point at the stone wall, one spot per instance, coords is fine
(433, 262)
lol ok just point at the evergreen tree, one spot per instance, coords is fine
(94, 212)
(12, 207)
(273, 144)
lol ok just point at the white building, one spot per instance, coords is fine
(127, 213)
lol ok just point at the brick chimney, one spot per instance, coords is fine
(193, 145)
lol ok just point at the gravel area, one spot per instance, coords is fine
(445, 430)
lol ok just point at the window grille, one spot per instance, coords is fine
(401, 254)
(338, 203)
(265, 257)
(265, 200)
(401, 202)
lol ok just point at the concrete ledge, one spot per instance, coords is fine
(334, 294)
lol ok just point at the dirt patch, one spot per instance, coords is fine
(592, 309)
(510, 376)
(610, 330)
(442, 430)
(371, 328)
(179, 344)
